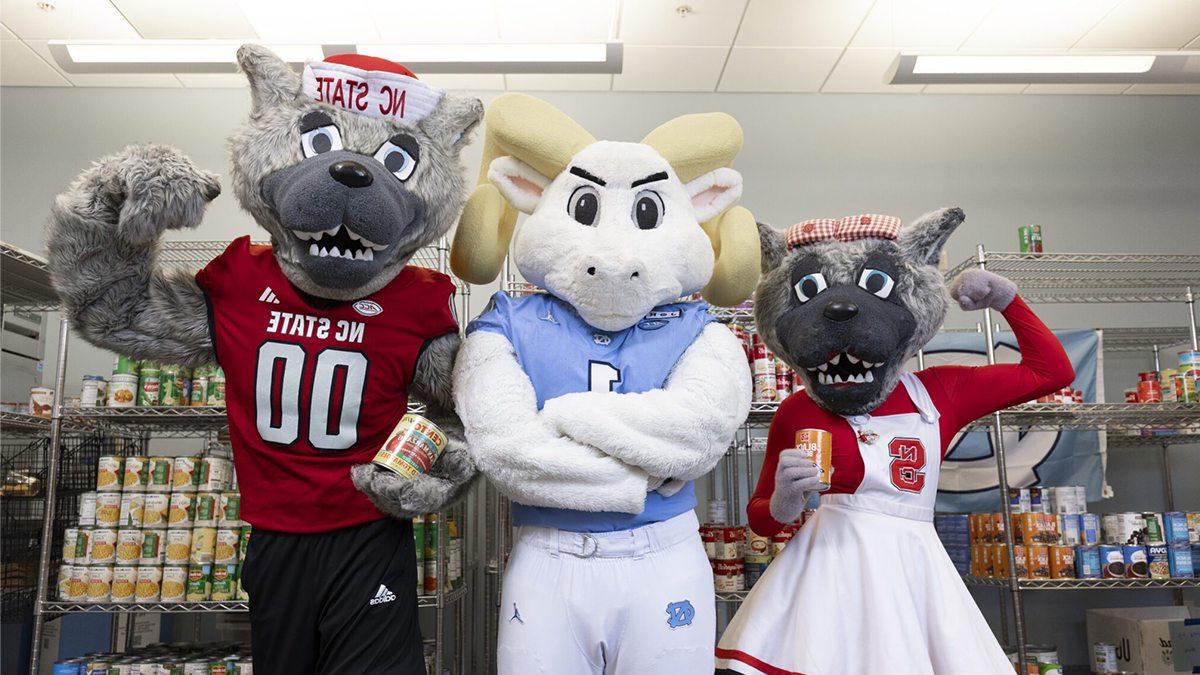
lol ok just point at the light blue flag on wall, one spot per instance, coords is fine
(968, 479)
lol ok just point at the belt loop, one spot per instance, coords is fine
(589, 551)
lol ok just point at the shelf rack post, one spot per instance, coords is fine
(1190, 300)
(51, 489)
(1002, 470)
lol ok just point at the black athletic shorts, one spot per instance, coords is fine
(335, 602)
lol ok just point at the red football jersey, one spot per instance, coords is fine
(314, 387)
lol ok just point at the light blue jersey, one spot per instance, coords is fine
(562, 354)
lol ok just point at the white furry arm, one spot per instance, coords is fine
(519, 452)
(677, 432)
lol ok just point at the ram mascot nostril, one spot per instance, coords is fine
(847, 302)
(322, 334)
(595, 403)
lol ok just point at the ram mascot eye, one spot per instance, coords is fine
(399, 154)
(876, 282)
(648, 210)
(810, 286)
(584, 205)
(318, 135)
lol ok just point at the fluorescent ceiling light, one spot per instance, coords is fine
(1060, 68)
(581, 57)
(164, 56)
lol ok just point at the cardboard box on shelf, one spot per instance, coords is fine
(1141, 634)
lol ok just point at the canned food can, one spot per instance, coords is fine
(1087, 562)
(1089, 529)
(149, 385)
(199, 582)
(136, 475)
(62, 587)
(753, 568)
(129, 546)
(124, 365)
(1181, 560)
(729, 576)
(124, 583)
(230, 510)
(170, 386)
(206, 509)
(1175, 527)
(181, 510)
(756, 544)
(183, 473)
(149, 584)
(244, 544)
(226, 549)
(1030, 237)
(197, 667)
(78, 584)
(817, 445)
(174, 583)
(204, 543)
(1193, 519)
(420, 577)
(99, 583)
(178, 547)
(1021, 560)
(87, 508)
(158, 477)
(413, 446)
(94, 393)
(1038, 561)
(431, 576)
(1068, 525)
(1131, 395)
(123, 391)
(153, 548)
(1150, 391)
(1157, 561)
(1104, 658)
(1062, 562)
(213, 474)
(133, 509)
(154, 512)
(41, 401)
(224, 582)
(1112, 562)
(1136, 563)
(1153, 528)
(83, 547)
(199, 393)
(216, 388)
(102, 549)
(70, 539)
(108, 473)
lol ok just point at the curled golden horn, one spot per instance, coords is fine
(695, 144)
(532, 131)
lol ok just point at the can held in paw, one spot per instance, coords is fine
(817, 445)
(413, 446)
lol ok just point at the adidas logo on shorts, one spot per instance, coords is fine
(382, 595)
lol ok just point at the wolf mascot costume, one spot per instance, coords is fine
(595, 404)
(322, 335)
(865, 586)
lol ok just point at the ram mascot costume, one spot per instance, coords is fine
(323, 334)
(595, 404)
(865, 586)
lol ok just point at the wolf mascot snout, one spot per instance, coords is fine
(322, 335)
(847, 302)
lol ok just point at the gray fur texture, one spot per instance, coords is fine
(847, 318)
(980, 289)
(104, 231)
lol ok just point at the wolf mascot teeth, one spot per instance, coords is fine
(865, 586)
(595, 404)
(322, 335)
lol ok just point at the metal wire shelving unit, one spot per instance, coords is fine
(138, 424)
(1084, 584)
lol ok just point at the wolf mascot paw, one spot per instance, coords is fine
(403, 497)
(981, 289)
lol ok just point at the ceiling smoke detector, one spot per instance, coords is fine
(683, 11)
(45, 6)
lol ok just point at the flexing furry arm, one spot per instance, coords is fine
(103, 242)
(519, 452)
(679, 431)
(450, 478)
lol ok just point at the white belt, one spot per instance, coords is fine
(619, 544)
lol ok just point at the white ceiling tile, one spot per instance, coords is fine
(1037, 24)
(291, 21)
(69, 20)
(212, 80)
(187, 19)
(1194, 44)
(670, 68)
(556, 20)
(862, 70)
(444, 21)
(107, 79)
(655, 22)
(1165, 89)
(558, 82)
(1076, 88)
(777, 68)
(801, 23)
(21, 67)
(921, 24)
(1145, 24)
(7, 34)
(974, 88)
(465, 81)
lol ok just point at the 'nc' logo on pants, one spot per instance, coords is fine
(680, 613)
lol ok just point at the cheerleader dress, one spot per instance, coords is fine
(866, 586)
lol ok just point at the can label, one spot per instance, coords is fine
(178, 547)
(182, 509)
(199, 393)
(174, 583)
(158, 477)
(124, 583)
(99, 583)
(1112, 562)
(133, 506)
(78, 583)
(215, 394)
(1062, 562)
(154, 512)
(1087, 562)
(87, 508)
(183, 473)
(199, 582)
(817, 445)
(1136, 564)
(129, 546)
(136, 474)
(153, 548)
(70, 539)
(102, 549)
(109, 473)
(206, 509)
(412, 447)
(226, 549)
(149, 583)
(230, 510)
(148, 387)
(224, 582)
(204, 544)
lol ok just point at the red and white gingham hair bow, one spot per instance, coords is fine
(848, 228)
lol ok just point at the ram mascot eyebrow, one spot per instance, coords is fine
(545, 138)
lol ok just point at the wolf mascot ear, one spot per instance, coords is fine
(272, 80)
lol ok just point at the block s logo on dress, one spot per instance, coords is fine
(680, 614)
(371, 308)
(383, 595)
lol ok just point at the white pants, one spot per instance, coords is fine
(630, 602)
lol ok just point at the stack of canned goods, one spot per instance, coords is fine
(157, 529)
(739, 556)
(425, 540)
(1056, 538)
(1039, 660)
(774, 380)
(1171, 385)
(161, 659)
(1064, 396)
(149, 383)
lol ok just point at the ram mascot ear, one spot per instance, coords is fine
(539, 135)
(700, 148)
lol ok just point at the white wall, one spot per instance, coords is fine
(1100, 174)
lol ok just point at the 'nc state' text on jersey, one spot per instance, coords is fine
(306, 325)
